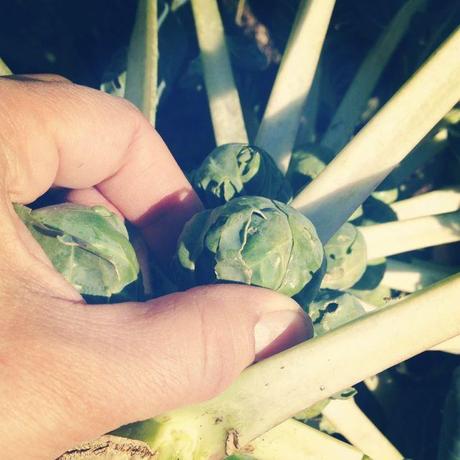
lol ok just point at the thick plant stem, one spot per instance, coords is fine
(428, 204)
(4, 69)
(348, 114)
(142, 68)
(224, 102)
(393, 132)
(418, 274)
(384, 240)
(448, 346)
(280, 122)
(353, 424)
(275, 389)
(294, 440)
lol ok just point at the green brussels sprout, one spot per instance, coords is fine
(251, 240)
(332, 309)
(306, 164)
(89, 246)
(379, 296)
(233, 170)
(346, 257)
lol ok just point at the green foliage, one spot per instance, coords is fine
(251, 240)
(89, 246)
(332, 309)
(346, 257)
(449, 442)
(233, 170)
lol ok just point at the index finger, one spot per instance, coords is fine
(57, 133)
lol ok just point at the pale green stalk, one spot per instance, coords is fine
(391, 238)
(142, 68)
(348, 115)
(391, 134)
(4, 69)
(224, 102)
(353, 424)
(280, 122)
(448, 346)
(414, 275)
(428, 204)
(294, 440)
(275, 389)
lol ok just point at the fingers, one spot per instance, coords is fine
(117, 364)
(57, 133)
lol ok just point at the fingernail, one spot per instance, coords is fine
(278, 330)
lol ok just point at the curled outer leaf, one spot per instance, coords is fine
(346, 257)
(252, 240)
(89, 246)
(233, 170)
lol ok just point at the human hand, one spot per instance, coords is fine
(71, 372)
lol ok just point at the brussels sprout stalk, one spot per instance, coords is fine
(294, 440)
(407, 235)
(224, 102)
(4, 69)
(428, 204)
(418, 274)
(353, 424)
(348, 115)
(273, 390)
(448, 346)
(142, 66)
(280, 123)
(377, 149)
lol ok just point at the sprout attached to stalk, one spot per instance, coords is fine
(346, 257)
(252, 240)
(89, 246)
(238, 169)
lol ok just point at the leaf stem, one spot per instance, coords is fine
(393, 132)
(142, 68)
(383, 240)
(428, 204)
(280, 122)
(224, 102)
(4, 69)
(294, 440)
(353, 103)
(353, 424)
(414, 275)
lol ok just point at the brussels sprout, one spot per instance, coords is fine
(379, 297)
(233, 170)
(332, 309)
(306, 164)
(251, 240)
(346, 257)
(89, 246)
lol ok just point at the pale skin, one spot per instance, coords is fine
(71, 372)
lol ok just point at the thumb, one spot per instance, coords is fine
(97, 368)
